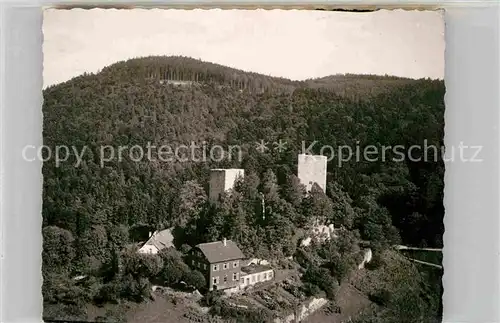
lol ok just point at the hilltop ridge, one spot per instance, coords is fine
(182, 68)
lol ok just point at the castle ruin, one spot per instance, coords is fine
(312, 169)
(223, 180)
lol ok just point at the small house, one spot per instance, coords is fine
(158, 240)
(219, 261)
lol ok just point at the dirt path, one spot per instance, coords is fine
(351, 302)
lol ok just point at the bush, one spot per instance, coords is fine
(61, 289)
(196, 279)
(242, 315)
(342, 268)
(322, 278)
(142, 265)
(116, 315)
(68, 312)
(311, 289)
(381, 297)
(174, 269)
(212, 297)
(184, 249)
(375, 263)
(108, 293)
(135, 289)
(332, 308)
(296, 291)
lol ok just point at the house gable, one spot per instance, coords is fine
(221, 251)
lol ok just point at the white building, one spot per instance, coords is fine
(253, 274)
(158, 240)
(312, 169)
(223, 180)
(177, 83)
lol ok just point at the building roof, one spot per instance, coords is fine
(218, 252)
(312, 157)
(253, 269)
(161, 239)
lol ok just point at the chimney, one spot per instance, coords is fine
(224, 241)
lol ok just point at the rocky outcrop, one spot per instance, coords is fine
(303, 311)
(366, 259)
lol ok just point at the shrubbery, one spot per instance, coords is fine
(242, 315)
(322, 279)
(381, 297)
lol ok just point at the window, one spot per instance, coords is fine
(242, 280)
(253, 279)
(216, 280)
(205, 266)
(225, 266)
(225, 279)
(193, 262)
(270, 274)
(216, 267)
(235, 264)
(235, 276)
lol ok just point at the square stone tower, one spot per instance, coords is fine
(312, 169)
(222, 180)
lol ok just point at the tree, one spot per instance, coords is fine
(58, 251)
(316, 207)
(93, 243)
(135, 289)
(174, 269)
(58, 288)
(189, 202)
(322, 278)
(270, 186)
(293, 191)
(109, 292)
(196, 279)
(141, 265)
(249, 186)
(342, 211)
(311, 289)
(118, 236)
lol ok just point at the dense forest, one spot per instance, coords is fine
(90, 212)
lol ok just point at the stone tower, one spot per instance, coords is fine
(312, 169)
(222, 180)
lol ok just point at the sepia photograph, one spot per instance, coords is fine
(243, 166)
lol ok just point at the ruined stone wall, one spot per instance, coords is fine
(312, 169)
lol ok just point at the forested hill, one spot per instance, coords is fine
(131, 103)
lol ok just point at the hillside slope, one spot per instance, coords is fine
(89, 208)
(121, 106)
